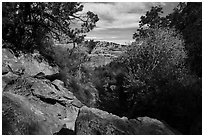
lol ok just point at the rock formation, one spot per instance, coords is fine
(97, 122)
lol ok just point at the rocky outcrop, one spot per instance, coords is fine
(18, 118)
(28, 64)
(92, 121)
(36, 102)
(48, 102)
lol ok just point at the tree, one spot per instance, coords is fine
(187, 18)
(151, 19)
(27, 24)
(154, 63)
(91, 44)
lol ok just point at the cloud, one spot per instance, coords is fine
(131, 7)
(113, 37)
(113, 14)
(119, 14)
(119, 20)
(93, 37)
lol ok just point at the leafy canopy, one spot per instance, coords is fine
(26, 24)
(186, 18)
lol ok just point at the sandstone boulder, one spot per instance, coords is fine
(92, 121)
(47, 102)
(19, 119)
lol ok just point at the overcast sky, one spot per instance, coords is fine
(119, 20)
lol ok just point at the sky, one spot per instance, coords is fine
(119, 20)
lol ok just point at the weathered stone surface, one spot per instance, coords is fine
(34, 65)
(5, 69)
(19, 119)
(46, 100)
(3, 85)
(69, 121)
(67, 94)
(7, 54)
(7, 78)
(153, 126)
(28, 64)
(10, 62)
(60, 85)
(97, 122)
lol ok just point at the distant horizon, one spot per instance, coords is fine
(118, 21)
(116, 42)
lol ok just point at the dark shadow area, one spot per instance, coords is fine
(65, 131)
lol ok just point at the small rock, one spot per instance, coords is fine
(58, 83)
(77, 103)
(69, 121)
(7, 78)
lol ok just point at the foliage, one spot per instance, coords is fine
(107, 82)
(27, 24)
(153, 63)
(69, 60)
(91, 44)
(162, 52)
(152, 19)
(187, 19)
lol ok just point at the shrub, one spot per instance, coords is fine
(156, 61)
(107, 80)
(91, 44)
(70, 62)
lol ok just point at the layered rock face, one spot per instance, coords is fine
(39, 101)
(37, 105)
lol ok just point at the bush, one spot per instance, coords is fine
(91, 44)
(153, 63)
(70, 62)
(108, 81)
